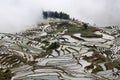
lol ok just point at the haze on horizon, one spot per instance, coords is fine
(17, 15)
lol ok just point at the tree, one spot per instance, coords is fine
(85, 26)
(56, 14)
(45, 14)
(54, 45)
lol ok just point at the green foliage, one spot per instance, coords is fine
(95, 58)
(74, 29)
(90, 35)
(109, 65)
(88, 32)
(37, 39)
(89, 67)
(85, 26)
(112, 64)
(56, 31)
(5, 74)
(89, 29)
(54, 45)
(48, 50)
(41, 55)
(13, 60)
(46, 42)
(65, 24)
(97, 69)
(28, 34)
(85, 30)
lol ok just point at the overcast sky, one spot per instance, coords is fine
(16, 15)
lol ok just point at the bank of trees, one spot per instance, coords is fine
(52, 14)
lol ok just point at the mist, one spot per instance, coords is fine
(18, 15)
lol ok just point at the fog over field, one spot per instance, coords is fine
(16, 15)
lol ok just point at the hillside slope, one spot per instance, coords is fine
(61, 49)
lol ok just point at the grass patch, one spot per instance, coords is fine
(89, 32)
(90, 35)
(73, 29)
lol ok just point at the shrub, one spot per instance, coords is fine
(97, 69)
